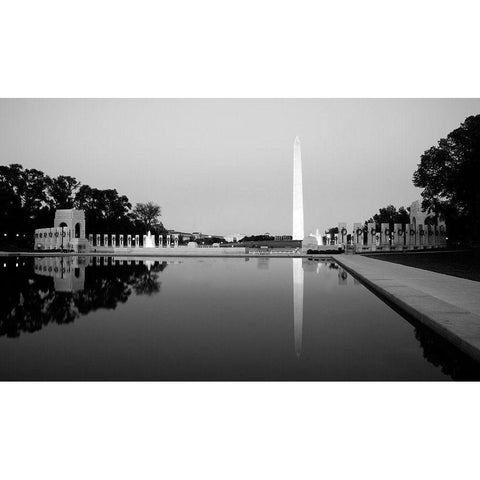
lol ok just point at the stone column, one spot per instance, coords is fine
(113, 240)
(90, 239)
(385, 235)
(144, 240)
(137, 241)
(129, 241)
(408, 237)
(98, 240)
(121, 240)
(371, 234)
(175, 241)
(358, 235)
(105, 240)
(420, 236)
(342, 232)
(431, 238)
(443, 235)
(436, 236)
(398, 235)
(168, 241)
(56, 237)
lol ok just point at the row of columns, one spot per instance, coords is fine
(402, 235)
(129, 241)
(53, 238)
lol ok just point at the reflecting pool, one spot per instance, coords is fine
(256, 318)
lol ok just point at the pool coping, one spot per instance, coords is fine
(167, 253)
(457, 325)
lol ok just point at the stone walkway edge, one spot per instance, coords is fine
(419, 293)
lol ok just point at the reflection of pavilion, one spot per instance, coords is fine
(68, 273)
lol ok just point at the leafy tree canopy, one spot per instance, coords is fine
(29, 199)
(390, 215)
(147, 215)
(449, 174)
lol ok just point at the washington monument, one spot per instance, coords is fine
(298, 232)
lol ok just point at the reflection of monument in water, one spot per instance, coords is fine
(298, 303)
(68, 273)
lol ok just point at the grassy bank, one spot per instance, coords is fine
(464, 264)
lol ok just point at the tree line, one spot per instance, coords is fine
(29, 198)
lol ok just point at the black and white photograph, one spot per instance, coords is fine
(239, 241)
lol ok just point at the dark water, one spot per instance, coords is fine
(84, 318)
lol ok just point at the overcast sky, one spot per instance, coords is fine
(225, 166)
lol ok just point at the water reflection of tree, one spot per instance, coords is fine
(30, 302)
(440, 353)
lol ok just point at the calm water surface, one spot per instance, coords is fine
(112, 318)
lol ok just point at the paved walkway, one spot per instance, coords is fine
(449, 305)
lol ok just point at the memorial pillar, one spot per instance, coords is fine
(408, 235)
(90, 239)
(168, 241)
(113, 240)
(129, 241)
(105, 240)
(385, 235)
(121, 240)
(420, 236)
(175, 241)
(98, 240)
(398, 235)
(358, 234)
(430, 233)
(443, 235)
(342, 232)
(144, 240)
(372, 230)
(137, 241)
(436, 236)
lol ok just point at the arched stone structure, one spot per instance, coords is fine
(70, 218)
(68, 232)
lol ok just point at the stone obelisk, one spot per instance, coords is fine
(298, 232)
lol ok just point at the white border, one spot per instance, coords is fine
(232, 49)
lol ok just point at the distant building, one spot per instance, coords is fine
(283, 237)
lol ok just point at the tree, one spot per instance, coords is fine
(61, 191)
(147, 214)
(390, 215)
(449, 174)
(105, 210)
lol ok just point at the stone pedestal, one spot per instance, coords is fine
(342, 232)
(358, 234)
(420, 236)
(371, 234)
(385, 235)
(398, 235)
